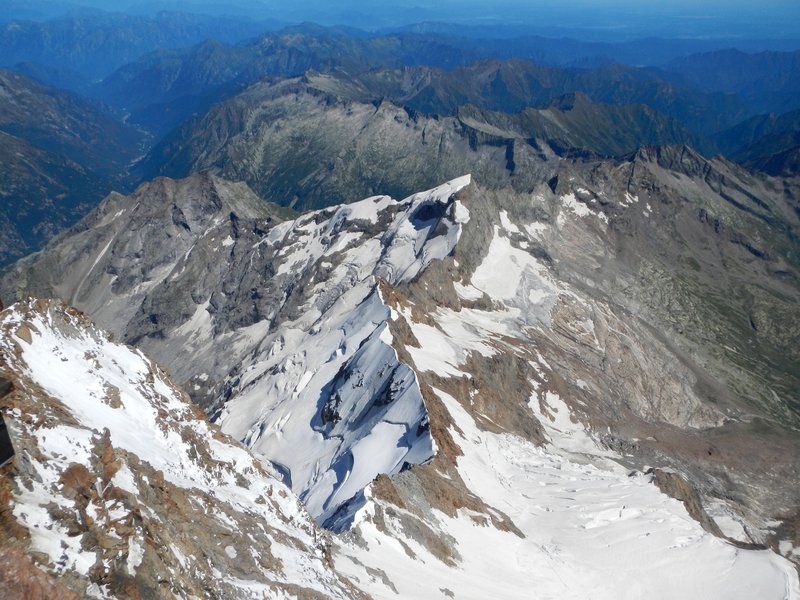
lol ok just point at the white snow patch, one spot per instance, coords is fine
(47, 537)
(630, 199)
(565, 432)
(535, 230)
(124, 480)
(135, 554)
(507, 224)
(518, 279)
(460, 213)
(368, 209)
(467, 292)
(571, 203)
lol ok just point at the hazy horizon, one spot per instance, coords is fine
(598, 21)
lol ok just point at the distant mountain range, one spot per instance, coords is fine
(62, 122)
(41, 194)
(433, 76)
(180, 82)
(769, 143)
(766, 81)
(94, 43)
(310, 141)
(513, 110)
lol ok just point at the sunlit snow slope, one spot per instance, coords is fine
(325, 396)
(584, 528)
(120, 487)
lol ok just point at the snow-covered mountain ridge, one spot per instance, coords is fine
(511, 363)
(325, 396)
(122, 490)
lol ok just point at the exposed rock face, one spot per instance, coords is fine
(22, 580)
(129, 243)
(324, 139)
(522, 347)
(123, 490)
(337, 149)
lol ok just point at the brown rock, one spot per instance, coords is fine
(24, 333)
(21, 580)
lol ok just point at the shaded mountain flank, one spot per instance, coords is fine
(61, 156)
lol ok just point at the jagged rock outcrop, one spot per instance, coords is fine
(127, 245)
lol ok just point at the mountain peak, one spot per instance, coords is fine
(671, 156)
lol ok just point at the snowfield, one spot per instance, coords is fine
(591, 530)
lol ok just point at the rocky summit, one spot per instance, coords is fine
(594, 380)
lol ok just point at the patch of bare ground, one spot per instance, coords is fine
(20, 579)
(677, 487)
(495, 394)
